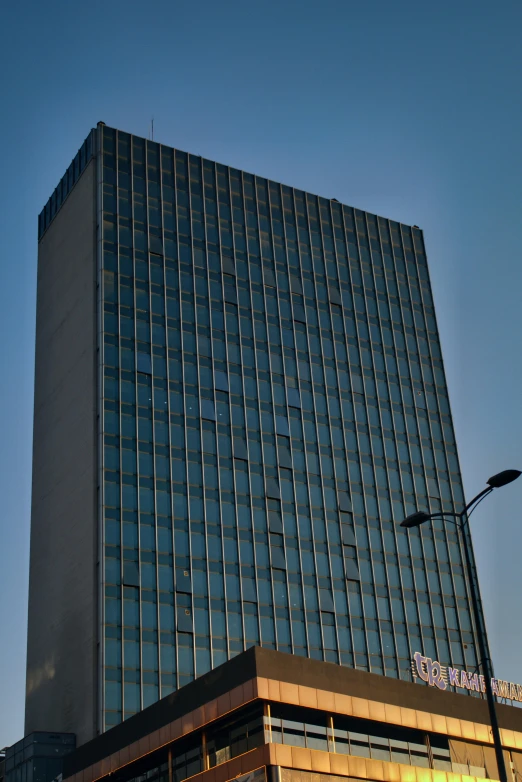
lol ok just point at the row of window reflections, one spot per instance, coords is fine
(353, 406)
(352, 294)
(289, 451)
(337, 326)
(141, 362)
(220, 382)
(216, 387)
(227, 272)
(269, 305)
(142, 428)
(332, 214)
(326, 289)
(145, 359)
(233, 190)
(129, 361)
(385, 291)
(311, 257)
(316, 730)
(289, 255)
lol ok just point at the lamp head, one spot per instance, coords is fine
(503, 478)
(415, 519)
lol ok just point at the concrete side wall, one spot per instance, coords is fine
(61, 693)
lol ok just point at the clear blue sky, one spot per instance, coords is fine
(406, 109)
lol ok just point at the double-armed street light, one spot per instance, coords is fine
(418, 518)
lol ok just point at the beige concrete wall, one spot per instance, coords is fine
(62, 632)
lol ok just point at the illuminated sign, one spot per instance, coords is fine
(444, 676)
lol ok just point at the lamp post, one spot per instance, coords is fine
(414, 520)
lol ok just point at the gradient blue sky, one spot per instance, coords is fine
(409, 110)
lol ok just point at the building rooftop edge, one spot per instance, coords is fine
(103, 125)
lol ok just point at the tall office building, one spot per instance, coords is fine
(239, 388)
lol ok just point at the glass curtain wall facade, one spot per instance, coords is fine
(272, 397)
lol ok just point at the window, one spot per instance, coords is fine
(295, 284)
(234, 737)
(239, 448)
(344, 502)
(207, 410)
(269, 278)
(294, 400)
(334, 295)
(143, 363)
(379, 741)
(351, 569)
(221, 381)
(272, 488)
(184, 619)
(228, 266)
(282, 426)
(348, 535)
(298, 727)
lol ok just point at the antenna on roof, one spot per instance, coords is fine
(152, 129)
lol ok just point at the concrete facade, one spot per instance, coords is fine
(62, 642)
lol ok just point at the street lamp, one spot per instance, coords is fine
(418, 518)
